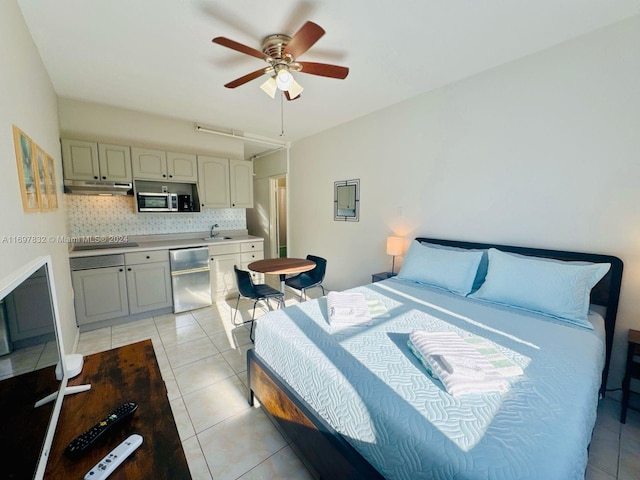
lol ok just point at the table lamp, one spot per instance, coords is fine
(394, 247)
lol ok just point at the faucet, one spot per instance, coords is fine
(213, 233)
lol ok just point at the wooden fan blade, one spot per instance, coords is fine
(324, 70)
(247, 78)
(239, 47)
(304, 39)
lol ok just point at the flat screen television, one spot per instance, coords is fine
(26, 431)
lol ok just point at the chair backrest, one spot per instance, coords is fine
(317, 274)
(245, 283)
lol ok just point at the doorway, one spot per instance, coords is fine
(279, 216)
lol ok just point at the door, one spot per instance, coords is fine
(213, 182)
(100, 294)
(80, 160)
(115, 163)
(241, 182)
(149, 287)
(223, 277)
(149, 164)
(182, 167)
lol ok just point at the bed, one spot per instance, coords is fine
(357, 404)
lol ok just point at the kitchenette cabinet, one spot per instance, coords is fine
(148, 281)
(83, 160)
(151, 164)
(120, 285)
(225, 183)
(100, 294)
(222, 259)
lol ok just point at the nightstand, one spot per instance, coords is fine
(632, 370)
(376, 277)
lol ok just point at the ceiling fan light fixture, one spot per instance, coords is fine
(284, 79)
(270, 87)
(295, 90)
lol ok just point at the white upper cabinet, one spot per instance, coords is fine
(182, 167)
(225, 183)
(159, 165)
(93, 161)
(241, 181)
(80, 160)
(149, 164)
(115, 162)
(213, 182)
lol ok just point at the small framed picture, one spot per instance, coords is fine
(41, 181)
(27, 170)
(51, 183)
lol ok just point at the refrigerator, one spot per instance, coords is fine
(190, 278)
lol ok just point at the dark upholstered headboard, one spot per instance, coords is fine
(605, 293)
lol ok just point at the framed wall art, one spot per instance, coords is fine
(36, 174)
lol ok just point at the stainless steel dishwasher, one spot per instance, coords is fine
(190, 278)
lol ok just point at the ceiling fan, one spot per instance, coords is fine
(281, 52)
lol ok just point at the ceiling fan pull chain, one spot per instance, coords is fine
(282, 114)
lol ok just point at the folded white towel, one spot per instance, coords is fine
(345, 308)
(458, 365)
(486, 348)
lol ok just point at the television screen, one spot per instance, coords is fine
(30, 348)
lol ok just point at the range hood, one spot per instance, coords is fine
(94, 187)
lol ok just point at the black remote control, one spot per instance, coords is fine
(84, 441)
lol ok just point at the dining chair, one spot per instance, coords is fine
(312, 278)
(255, 292)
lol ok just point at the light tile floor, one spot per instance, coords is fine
(202, 357)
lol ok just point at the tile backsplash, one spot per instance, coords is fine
(115, 215)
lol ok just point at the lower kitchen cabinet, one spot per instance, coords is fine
(100, 294)
(149, 287)
(148, 280)
(222, 258)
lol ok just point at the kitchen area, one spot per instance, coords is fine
(153, 231)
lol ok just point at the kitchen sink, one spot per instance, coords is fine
(215, 239)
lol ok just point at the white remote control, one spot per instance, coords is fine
(108, 464)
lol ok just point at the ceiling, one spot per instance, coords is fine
(157, 56)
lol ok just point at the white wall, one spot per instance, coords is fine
(93, 121)
(543, 152)
(28, 101)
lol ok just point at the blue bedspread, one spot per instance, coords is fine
(366, 383)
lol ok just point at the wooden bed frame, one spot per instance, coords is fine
(325, 452)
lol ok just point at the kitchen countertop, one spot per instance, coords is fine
(167, 244)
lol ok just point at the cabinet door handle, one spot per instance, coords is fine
(170, 176)
(121, 270)
(129, 269)
(253, 246)
(148, 257)
(104, 178)
(164, 175)
(95, 177)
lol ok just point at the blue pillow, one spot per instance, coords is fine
(452, 270)
(552, 287)
(482, 268)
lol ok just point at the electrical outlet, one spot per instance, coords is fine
(165, 189)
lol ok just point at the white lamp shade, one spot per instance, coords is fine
(295, 90)
(394, 246)
(269, 87)
(284, 79)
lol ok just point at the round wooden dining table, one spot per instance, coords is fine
(282, 267)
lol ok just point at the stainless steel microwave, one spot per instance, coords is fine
(157, 202)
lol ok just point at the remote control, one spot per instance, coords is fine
(84, 441)
(108, 464)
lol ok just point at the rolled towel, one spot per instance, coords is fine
(347, 308)
(459, 366)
